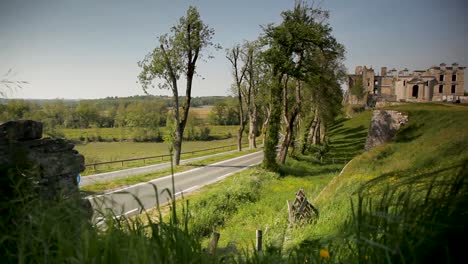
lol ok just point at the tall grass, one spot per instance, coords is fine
(60, 230)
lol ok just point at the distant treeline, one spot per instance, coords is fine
(149, 112)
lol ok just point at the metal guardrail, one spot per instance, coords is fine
(93, 165)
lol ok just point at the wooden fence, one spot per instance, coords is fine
(162, 157)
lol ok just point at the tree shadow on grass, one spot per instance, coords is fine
(409, 133)
(301, 171)
(346, 131)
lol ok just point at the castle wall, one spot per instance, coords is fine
(431, 86)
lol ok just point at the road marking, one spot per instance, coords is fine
(131, 211)
(90, 197)
(187, 190)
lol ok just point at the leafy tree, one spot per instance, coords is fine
(87, 114)
(357, 88)
(224, 113)
(296, 51)
(177, 55)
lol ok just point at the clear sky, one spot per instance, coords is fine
(90, 48)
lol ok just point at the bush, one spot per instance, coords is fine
(204, 134)
(214, 208)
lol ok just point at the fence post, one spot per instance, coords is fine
(258, 246)
(94, 167)
(214, 242)
(144, 161)
(122, 163)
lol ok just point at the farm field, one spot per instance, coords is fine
(95, 152)
(127, 133)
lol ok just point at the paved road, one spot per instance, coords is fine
(113, 175)
(123, 202)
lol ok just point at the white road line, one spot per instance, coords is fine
(188, 190)
(166, 177)
(131, 211)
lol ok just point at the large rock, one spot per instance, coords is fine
(383, 127)
(20, 130)
(54, 160)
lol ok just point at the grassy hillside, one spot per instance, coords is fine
(412, 180)
(256, 199)
(435, 138)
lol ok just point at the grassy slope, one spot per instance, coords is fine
(256, 199)
(435, 138)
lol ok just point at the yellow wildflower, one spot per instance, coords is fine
(324, 253)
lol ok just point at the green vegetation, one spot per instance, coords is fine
(127, 114)
(357, 88)
(256, 199)
(115, 134)
(111, 151)
(402, 201)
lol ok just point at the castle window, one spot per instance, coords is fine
(453, 88)
(441, 88)
(454, 77)
(441, 78)
(404, 83)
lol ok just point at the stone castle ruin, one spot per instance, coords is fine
(437, 83)
(55, 161)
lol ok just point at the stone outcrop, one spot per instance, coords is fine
(383, 127)
(55, 161)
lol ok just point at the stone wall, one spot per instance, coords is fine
(383, 127)
(55, 161)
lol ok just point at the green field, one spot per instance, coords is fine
(127, 133)
(95, 152)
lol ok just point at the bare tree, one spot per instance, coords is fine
(239, 69)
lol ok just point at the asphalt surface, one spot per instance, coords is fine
(114, 175)
(124, 201)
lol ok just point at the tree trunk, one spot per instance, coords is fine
(265, 124)
(290, 118)
(316, 138)
(322, 132)
(239, 137)
(177, 144)
(274, 125)
(253, 127)
(311, 133)
(286, 142)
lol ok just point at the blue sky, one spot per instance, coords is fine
(90, 49)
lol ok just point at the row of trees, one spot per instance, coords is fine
(286, 83)
(144, 112)
(291, 76)
(85, 114)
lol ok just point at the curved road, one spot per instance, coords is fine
(113, 175)
(124, 202)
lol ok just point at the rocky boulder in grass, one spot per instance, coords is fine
(383, 127)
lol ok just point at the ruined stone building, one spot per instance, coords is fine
(437, 83)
